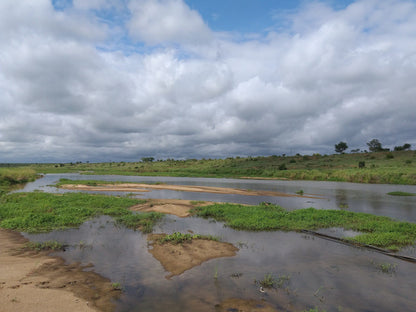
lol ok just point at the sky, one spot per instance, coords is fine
(118, 80)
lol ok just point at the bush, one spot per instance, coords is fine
(282, 167)
(361, 164)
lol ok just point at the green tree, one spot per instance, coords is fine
(402, 148)
(374, 145)
(148, 159)
(341, 147)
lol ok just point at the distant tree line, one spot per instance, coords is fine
(374, 146)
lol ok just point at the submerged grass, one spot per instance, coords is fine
(398, 193)
(377, 230)
(48, 245)
(43, 212)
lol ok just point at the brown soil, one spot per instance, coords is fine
(140, 187)
(242, 305)
(33, 281)
(177, 207)
(179, 258)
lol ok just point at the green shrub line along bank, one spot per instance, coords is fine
(44, 212)
(376, 167)
(13, 176)
(376, 230)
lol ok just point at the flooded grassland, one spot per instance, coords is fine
(268, 270)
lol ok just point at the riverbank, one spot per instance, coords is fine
(395, 167)
(34, 281)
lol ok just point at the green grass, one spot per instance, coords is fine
(270, 281)
(116, 286)
(180, 238)
(401, 194)
(376, 230)
(401, 169)
(43, 212)
(15, 175)
(49, 245)
(388, 268)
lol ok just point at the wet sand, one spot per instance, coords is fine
(141, 187)
(177, 207)
(34, 281)
(244, 305)
(178, 258)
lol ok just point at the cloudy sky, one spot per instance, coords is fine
(117, 80)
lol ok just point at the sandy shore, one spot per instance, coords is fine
(140, 187)
(32, 281)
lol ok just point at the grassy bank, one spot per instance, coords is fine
(376, 230)
(13, 176)
(43, 212)
(382, 167)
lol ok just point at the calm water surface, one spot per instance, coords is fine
(369, 198)
(321, 273)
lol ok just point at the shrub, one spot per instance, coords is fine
(361, 164)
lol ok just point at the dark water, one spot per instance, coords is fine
(321, 273)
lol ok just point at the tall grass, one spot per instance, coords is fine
(376, 230)
(9, 176)
(13, 176)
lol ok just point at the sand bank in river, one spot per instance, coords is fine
(177, 207)
(178, 258)
(141, 187)
(32, 281)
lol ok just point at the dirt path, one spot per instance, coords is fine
(179, 258)
(31, 281)
(141, 187)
